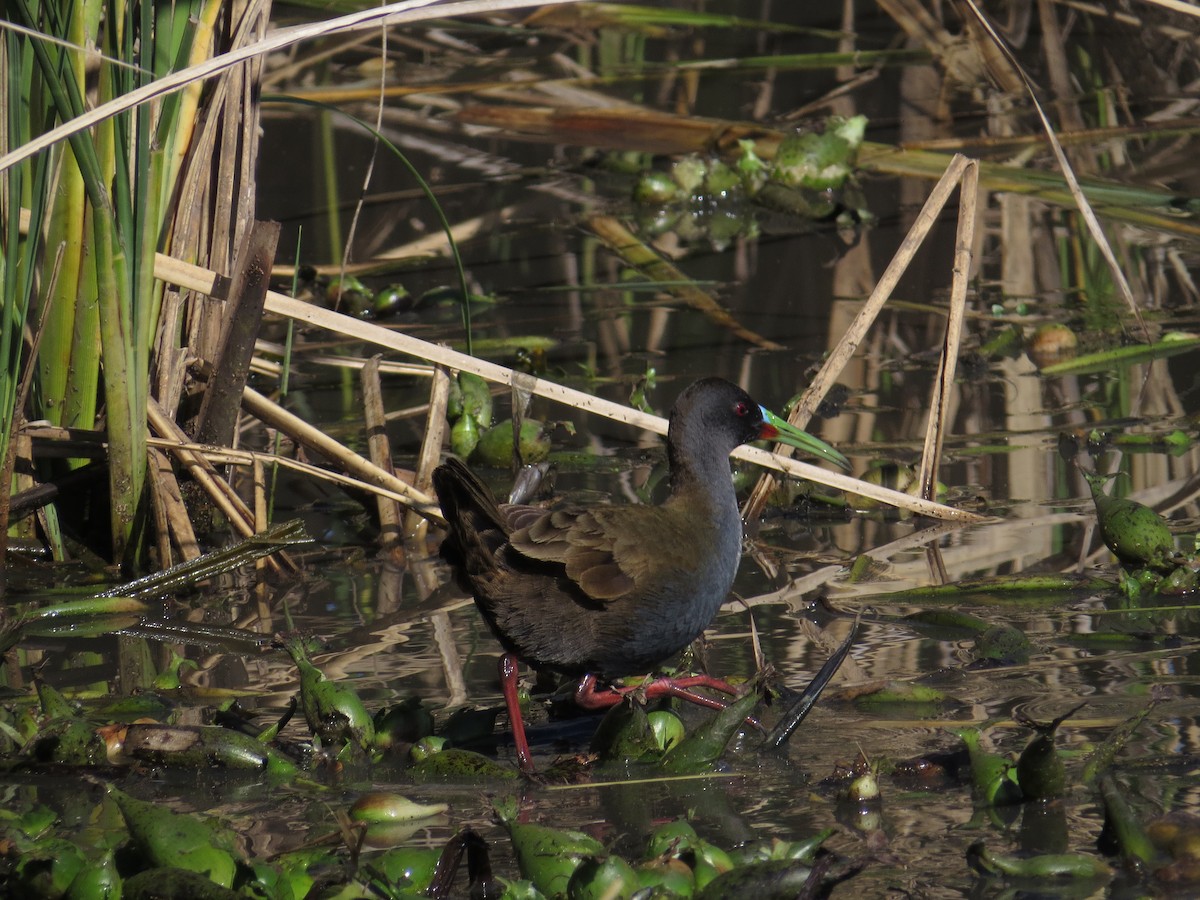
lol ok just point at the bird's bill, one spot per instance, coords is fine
(776, 429)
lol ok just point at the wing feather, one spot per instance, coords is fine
(601, 550)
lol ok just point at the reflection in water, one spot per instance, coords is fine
(395, 628)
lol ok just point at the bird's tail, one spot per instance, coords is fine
(472, 515)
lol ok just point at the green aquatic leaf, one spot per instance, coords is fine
(1105, 360)
(1041, 772)
(548, 856)
(771, 878)
(476, 398)
(820, 161)
(1045, 865)
(458, 765)
(1136, 847)
(46, 868)
(602, 878)
(97, 880)
(334, 711)
(464, 436)
(71, 742)
(495, 446)
(389, 806)
(172, 883)
(704, 746)
(203, 747)
(666, 878)
(408, 867)
(624, 734)
(993, 776)
(1131, 530)
(178, 840)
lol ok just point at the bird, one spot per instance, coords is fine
(604, 592)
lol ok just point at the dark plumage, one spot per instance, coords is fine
(614, 590)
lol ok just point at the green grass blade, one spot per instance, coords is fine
(425, 189)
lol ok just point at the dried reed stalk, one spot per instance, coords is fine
(185, 274)
(848, 345)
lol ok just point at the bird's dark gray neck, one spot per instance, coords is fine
(706, 484)
(706, 495)
(699, 462)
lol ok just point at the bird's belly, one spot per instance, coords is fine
(655, 631)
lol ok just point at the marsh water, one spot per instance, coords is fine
(395, 626)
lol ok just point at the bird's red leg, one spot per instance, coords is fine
(508, 681)
(708, 681)
(588, 697)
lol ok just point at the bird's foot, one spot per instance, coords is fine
(589, 696)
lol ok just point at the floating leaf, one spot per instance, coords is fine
(47, 869)
(1136, 847)
(168, 883)
(772, 878)
(203, 746)
(547, 856)
(819, 161)
(1046, 865)
(602, 878)
(666, 878)
(1040, 770)
(705, 744)
(388, 806)
(495, 446)
(177, 840)
(1134, 532)
(408, 867)
(334, 711)
(624, 734)
(993, 776)
(455, 764)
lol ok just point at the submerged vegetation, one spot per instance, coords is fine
(550, 219)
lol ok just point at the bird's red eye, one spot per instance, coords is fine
(741, 409)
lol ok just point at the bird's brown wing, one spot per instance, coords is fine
(602, 550)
